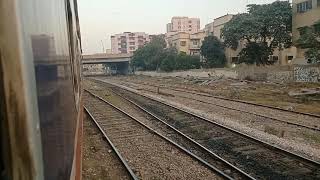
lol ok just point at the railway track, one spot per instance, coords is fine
(130, 135)
(218, 164)
(114, 149)
(257, 158)
(222, 105)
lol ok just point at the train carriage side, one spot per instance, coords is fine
(40, 89)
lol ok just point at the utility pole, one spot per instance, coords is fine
(102, 47)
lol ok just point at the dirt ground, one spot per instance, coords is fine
(99, 161)
(258, 92)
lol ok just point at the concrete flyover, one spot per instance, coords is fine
(114, 63)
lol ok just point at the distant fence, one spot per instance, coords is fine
(200, 73)
(294, 73)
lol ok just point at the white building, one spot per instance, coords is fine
(128, 42)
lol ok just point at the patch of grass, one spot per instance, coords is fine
(312, 136)
(274, 131)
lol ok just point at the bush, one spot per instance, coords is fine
(168, 64)
(185, 62)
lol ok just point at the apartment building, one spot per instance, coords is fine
(128, 42)
(187, 43)
(195, 44)
(305, 14)
(184, 24)
(282, 57)
(179, 40)
(218, 24)
(208, 29)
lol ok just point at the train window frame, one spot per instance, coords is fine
(5, 160)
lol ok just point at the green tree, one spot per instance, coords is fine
(150, 56)
(310, 40)
(169, 61)
(185, 62)
(264, 28)
(213, 51)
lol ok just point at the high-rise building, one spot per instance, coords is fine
(305, 14)
(184, 24)
(128, 42)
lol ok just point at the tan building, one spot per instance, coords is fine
(184, 24)
(187, 43)
(283, 57)
(195, 44)
(184, 34)
(218, 24)
(305, 13)
(208, 29)
(128, 42)
(180, 41)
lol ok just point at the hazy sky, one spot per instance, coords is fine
(99, 19)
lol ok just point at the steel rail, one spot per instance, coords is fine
(239, 110)
(234, 100)
(123, 161)
(224, 127)
(187, 137)
(221, 173)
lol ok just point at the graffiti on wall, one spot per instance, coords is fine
(306, 74)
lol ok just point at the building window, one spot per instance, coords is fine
(289, 59)
(304, 6)
(132, 48)
(273, 59)
(132, 43)
(234, 59)
(190, 21)
(183, 43)
(190, 26)
(179, 27)
(195, 43)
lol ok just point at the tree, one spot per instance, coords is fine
(213, 51)
(310, 40)
(261, 30)
(185, 62)
(150, 56)
(169, 62)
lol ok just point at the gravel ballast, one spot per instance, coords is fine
(149, 156)
(245, 125)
